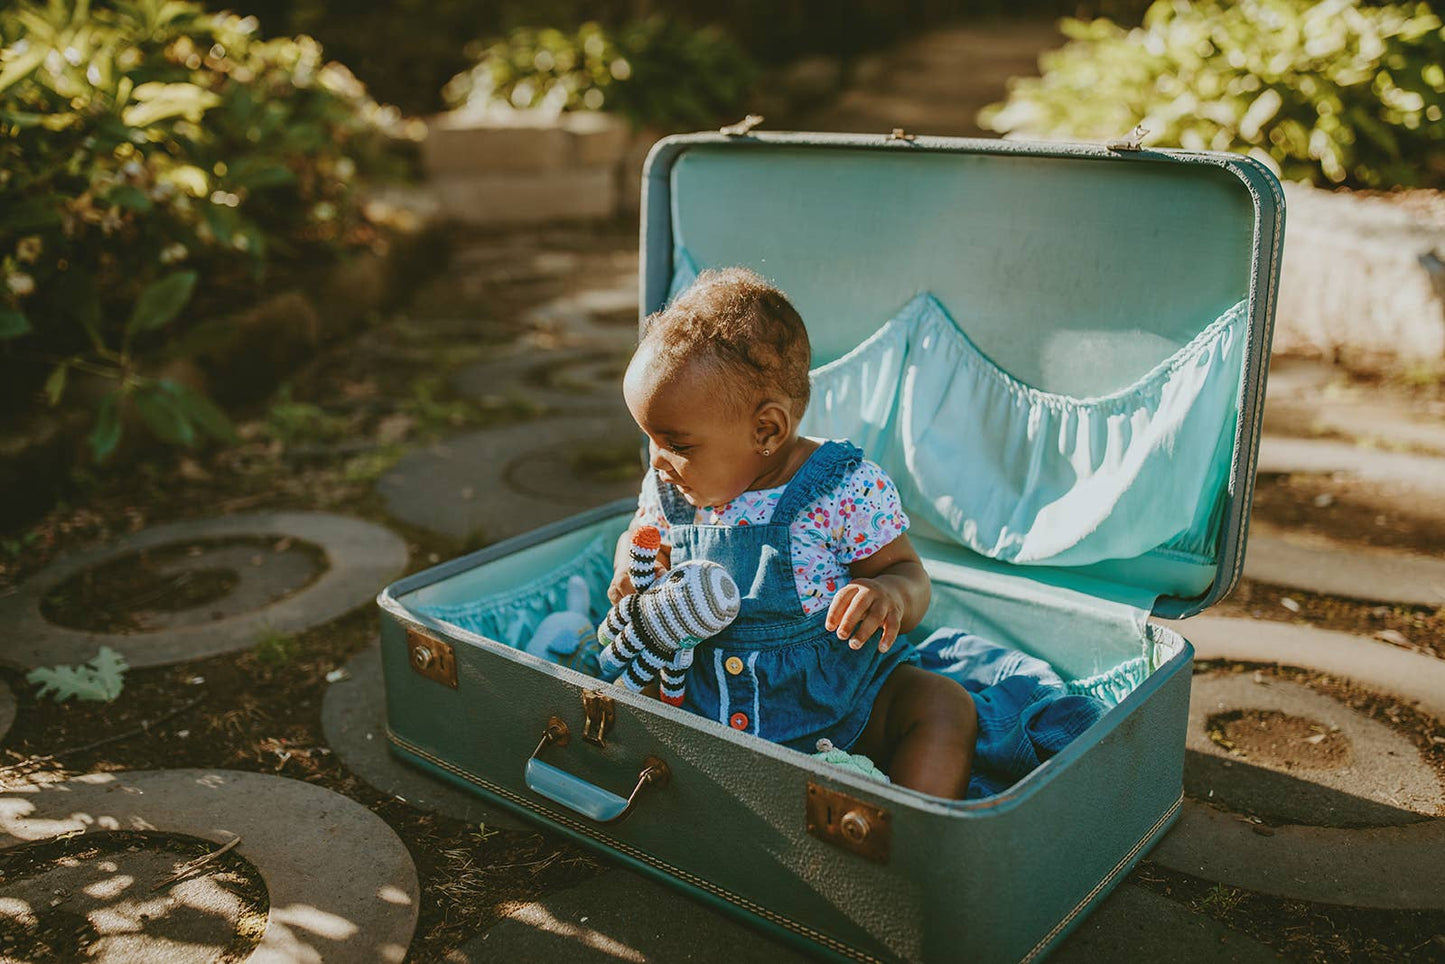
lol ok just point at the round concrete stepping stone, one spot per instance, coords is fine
(603, 317)
(1136, 924)
(623, 916)
(563, 381)
(1354, 572)
(1302, 757)
(506, 481)
(1393, 868)
(1279, 455)
(114, 904)
(353, 716)
(1410, 676)
(342, 885)
(361, 557)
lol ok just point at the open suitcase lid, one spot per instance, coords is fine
(1076, 281)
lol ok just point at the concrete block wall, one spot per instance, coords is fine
(527, 167)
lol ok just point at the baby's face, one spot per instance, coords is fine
(695, 440)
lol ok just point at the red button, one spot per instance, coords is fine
(739, 721)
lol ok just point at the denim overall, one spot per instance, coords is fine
(777, 672)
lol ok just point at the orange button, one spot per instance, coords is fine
(733, 665)
(739, 721)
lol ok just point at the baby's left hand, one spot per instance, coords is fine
(863, 607)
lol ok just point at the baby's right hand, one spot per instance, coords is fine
(622, 583)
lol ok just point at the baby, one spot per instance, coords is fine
(811, 532)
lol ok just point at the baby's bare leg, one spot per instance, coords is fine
(922, 732)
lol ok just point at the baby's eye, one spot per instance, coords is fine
(680, 449)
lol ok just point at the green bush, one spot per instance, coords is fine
(156, 163)
(654, 72)
(1338, 92)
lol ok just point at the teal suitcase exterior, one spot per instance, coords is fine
(1119, 299)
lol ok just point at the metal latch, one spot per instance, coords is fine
(849, 823)
(598, 715)
(1132, 141)
(431, 658)
(743, 126)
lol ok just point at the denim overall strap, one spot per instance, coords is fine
(674, 507)
(822, 472)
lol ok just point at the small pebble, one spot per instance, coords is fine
(337, 675)
(1324, 500)
(1393, 636)
(1289, 604)
(183, 733)
(197, 680)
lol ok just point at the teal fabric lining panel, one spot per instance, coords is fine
(511, 616)
(1075, 275)
(1036, 477)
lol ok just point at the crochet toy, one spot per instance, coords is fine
(562, 633)
(856, 762)
(651, 634)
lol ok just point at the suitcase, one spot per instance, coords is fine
(1058, 352)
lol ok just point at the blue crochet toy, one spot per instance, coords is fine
(563, 633)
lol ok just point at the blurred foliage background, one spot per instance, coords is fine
(407, 50)
(156, 163)
(1335, 92)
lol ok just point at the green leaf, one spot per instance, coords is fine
(105, 434)
(99, 680)
(55, 384)
(201, 411)
(160, 302)
(157, 102)
(13, 323)
(129, 197)
(21, 67)
(158, 409)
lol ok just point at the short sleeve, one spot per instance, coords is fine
(869, 512)
(649, 509)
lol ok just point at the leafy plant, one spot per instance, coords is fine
(155, 161)
(99, 680)
(275, 648)
(1338, 92)
(655, 72)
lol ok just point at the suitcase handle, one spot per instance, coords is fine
(575, 793)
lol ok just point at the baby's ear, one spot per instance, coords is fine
(773, 423)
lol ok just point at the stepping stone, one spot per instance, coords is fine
(562, 381)
(1379, 666)
(353, 716)
(361, 557)
(623, 916)
(102, 897)
(503, 482)
(1302, 757)
(1391, 868)
(1351, 571)
(1279, 455)
(604, 317)
(341, 884)
(1136, 924)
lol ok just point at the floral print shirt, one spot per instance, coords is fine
(851, 522)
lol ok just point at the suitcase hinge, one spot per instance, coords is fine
(598, 714)
(431, 658)
(849, 823)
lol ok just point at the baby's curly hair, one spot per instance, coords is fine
(744, 328)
